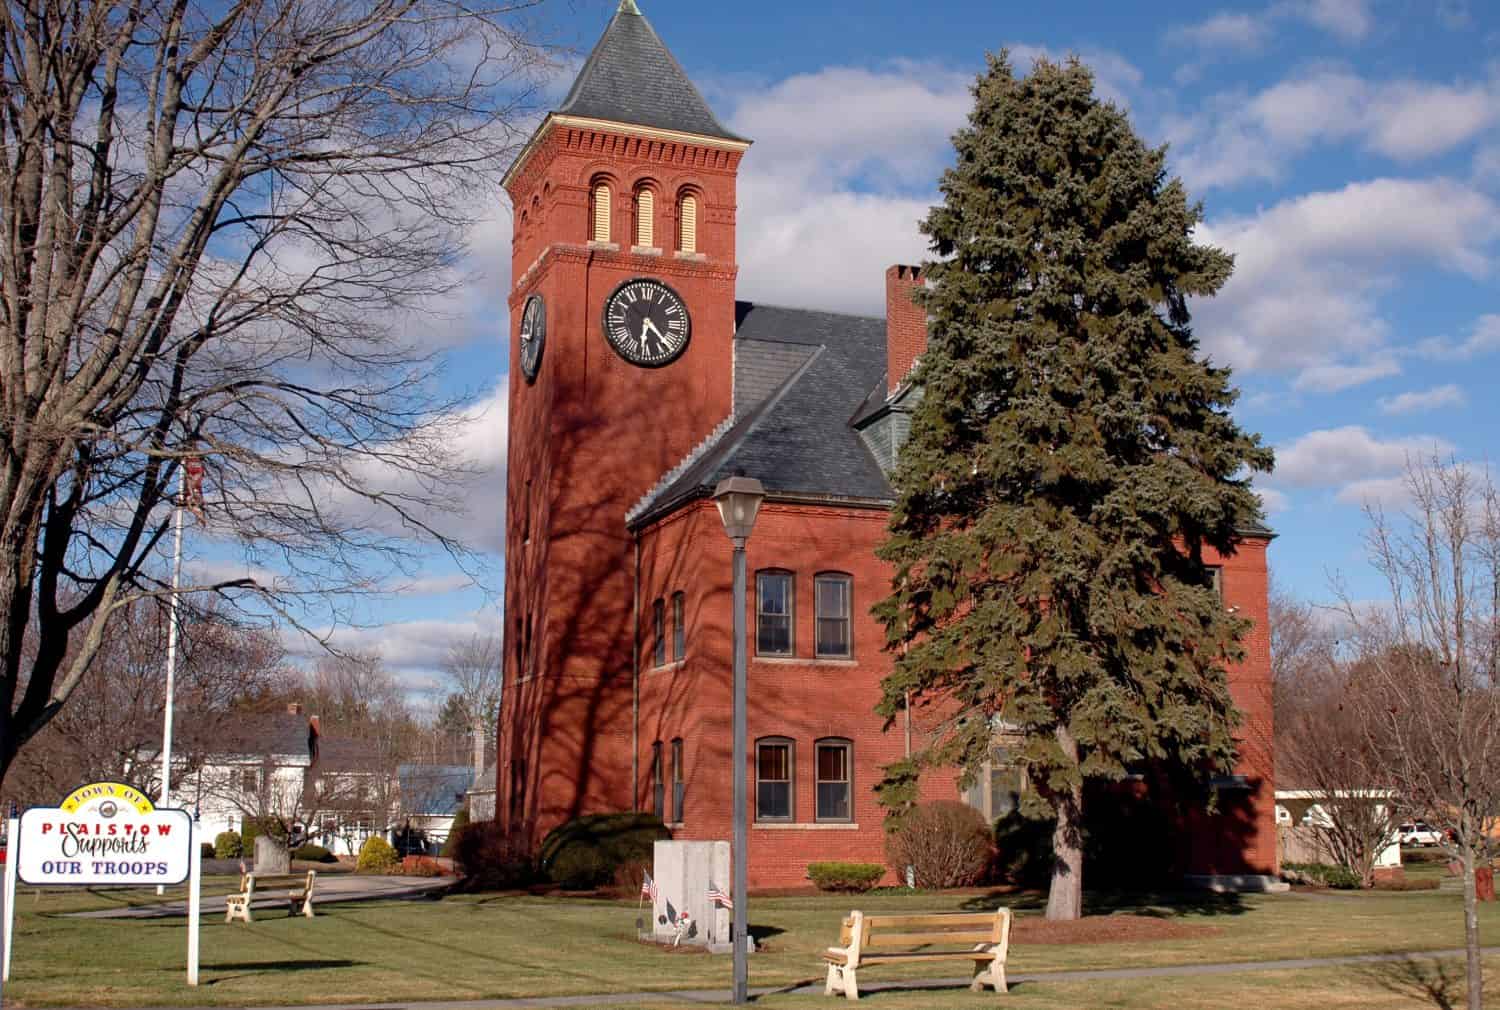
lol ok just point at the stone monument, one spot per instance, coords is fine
(682, 912)
(271, 857)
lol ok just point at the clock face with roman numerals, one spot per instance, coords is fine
(647, 323)
(533, 336)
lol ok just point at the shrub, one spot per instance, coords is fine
(376, 856)
(410, 841)
(228, 845)
(450, 844)
(313, 854)
(1340, 878)
(206, 850)
(491, 859)
(947, 844)
(627, 880)
(587, 851)
(857, 877)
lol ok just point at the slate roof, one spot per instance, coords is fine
(814, 369)
(260, 734)
(631, 77)
(433, 790)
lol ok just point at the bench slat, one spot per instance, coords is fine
(941, 920)
(974, 955)
(928, 939)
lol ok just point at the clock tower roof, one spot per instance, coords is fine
(631, 77)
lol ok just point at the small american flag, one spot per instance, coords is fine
(719, 897)
(648, 888)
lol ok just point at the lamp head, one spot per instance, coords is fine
(738, 499)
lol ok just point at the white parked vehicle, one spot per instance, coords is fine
(1419, 833)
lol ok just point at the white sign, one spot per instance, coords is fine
(104, 833)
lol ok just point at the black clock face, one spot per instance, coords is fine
(533, 336)
(647, 323)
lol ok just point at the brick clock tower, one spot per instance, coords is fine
(622, 325)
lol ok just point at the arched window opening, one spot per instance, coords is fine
(687, 224)
(600, 232)
(645, 218)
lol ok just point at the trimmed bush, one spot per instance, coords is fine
(314, 854)
(206, 850)
(586, 852)
(450, 844)
(376, 856)
(855, 877)
(228, 845)
(946, 843)
(1340, 878)
(490, 859)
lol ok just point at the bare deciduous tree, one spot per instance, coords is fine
(1428, 662)
(474, 670)
(1325, 751)
(220, 220)
(114, 731)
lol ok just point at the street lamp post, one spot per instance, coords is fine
(739, 499)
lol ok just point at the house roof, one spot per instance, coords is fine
(264, 734)
(433, 790)
(631, 77)
(809, 372)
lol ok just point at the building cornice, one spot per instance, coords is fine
(609, 126)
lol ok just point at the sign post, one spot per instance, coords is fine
(195, 903)
(13, 834)
(104, 833)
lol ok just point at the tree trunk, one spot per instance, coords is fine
(1065, 896)
(1475, 973)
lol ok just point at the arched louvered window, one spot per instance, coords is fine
(601, 212)
(645, 218)
(687, 227)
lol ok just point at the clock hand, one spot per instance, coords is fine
(647, 324)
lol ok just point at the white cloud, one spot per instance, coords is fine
(1224, 30)
(1273, 500)
(1483, 338)
(1348, 456)
(1349, 19)
(1239, 136)
(1309, 273)
(845, 165)
(1333, 377)
(414, 650)
(1389, 492)
(1419, 400)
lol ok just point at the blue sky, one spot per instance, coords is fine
(1347, 151)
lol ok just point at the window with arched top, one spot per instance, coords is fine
(599, 229)
(835, 779)
(687, 224)
(645, 218)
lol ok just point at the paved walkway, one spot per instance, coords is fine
(332, 888)
(690, 997)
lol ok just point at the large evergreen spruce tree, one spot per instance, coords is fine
(1070, 456)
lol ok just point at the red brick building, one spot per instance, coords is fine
(638, 381)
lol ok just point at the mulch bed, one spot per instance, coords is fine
(1105, 929)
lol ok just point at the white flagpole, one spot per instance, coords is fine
(195, 900)
(12, 857)
(166, 734)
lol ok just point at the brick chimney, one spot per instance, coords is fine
(905, 323)
(293, 708)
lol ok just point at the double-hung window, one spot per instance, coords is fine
(677, 780)
(835, 792)
(659, 633)
(773, 613)
(679, 628)
(773, 780)
(833, 606)
(658, 788)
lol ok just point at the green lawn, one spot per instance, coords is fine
(484, 946)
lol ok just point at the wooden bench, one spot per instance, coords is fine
(869, 940)
(237, 906)
(299, 898)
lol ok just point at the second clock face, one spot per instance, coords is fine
(647, 323)
(533, 336)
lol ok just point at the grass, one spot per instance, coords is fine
(472, 947)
